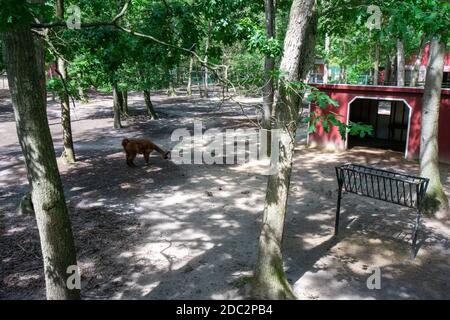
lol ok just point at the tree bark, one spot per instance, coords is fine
(341, 74)
(417, 64)
(225, 87)
(150, 109)
(189, 85)
(40, 54)
(270, 280)
(120, 101)
(171, 92)
(269, 69)
(269, 66)
(116, 107)
(125, 109)
(400, 63)
(326, 73)
(60, 9)
(68, 155)
(387, 71)
(376, 67)
(436, 200)
(206, 78)
(52, 216)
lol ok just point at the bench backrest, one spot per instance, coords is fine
(394, 187)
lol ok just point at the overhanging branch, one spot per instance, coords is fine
(215, 68)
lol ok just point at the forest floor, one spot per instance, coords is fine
(168, 231)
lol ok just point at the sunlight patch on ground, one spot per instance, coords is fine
(13, 230)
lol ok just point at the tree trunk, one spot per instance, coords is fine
(52, 216)
(179, 80)
(60, 10)
(81, 94)
(206, 78)
(171, 92)
(189, 85)
(40, 54)
(116, 107)
(148, 102)
(68, 155)
(270, 280)
(120, 101)
(326, 72)
(225, 87)
(269, 69)
(416, 70)
(269, 66)
(376, 67)
(341, 74)
(394, 68)
(400, 63)
(125, 109)
(387, 71)
(436, 200)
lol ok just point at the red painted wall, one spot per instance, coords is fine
(425, 57)
(344, 94)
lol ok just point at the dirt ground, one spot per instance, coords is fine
(169, 231)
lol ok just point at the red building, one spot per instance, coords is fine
(317, 73)
(423, 66)
(394, 113)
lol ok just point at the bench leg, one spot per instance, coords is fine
(338, 211)
(414, 236)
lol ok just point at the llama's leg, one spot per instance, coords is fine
(130, 159)
(147, 156)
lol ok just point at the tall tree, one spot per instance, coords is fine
(150, 108)
(125, 109)
(206, 72)
(117, 106)
(269, 66)
(387, 70)
(190, 70)
(436, 200)
(69, 152)
(269, 70)
(376, 65)
(400, 63)
(270, 280)
(326, 72)
(417, 63)
(29, 103)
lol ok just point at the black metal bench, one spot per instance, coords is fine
(393, 187)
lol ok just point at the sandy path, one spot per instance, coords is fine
(190, 232)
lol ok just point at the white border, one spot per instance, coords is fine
(382, 99)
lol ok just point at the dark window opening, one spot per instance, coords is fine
(389, 120)
(446, 80)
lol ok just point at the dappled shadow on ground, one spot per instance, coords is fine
(373, 234)
(166, 231)
(157, 226)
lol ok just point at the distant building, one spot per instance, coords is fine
(423, 67)
(395, 114)
(335, 74)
